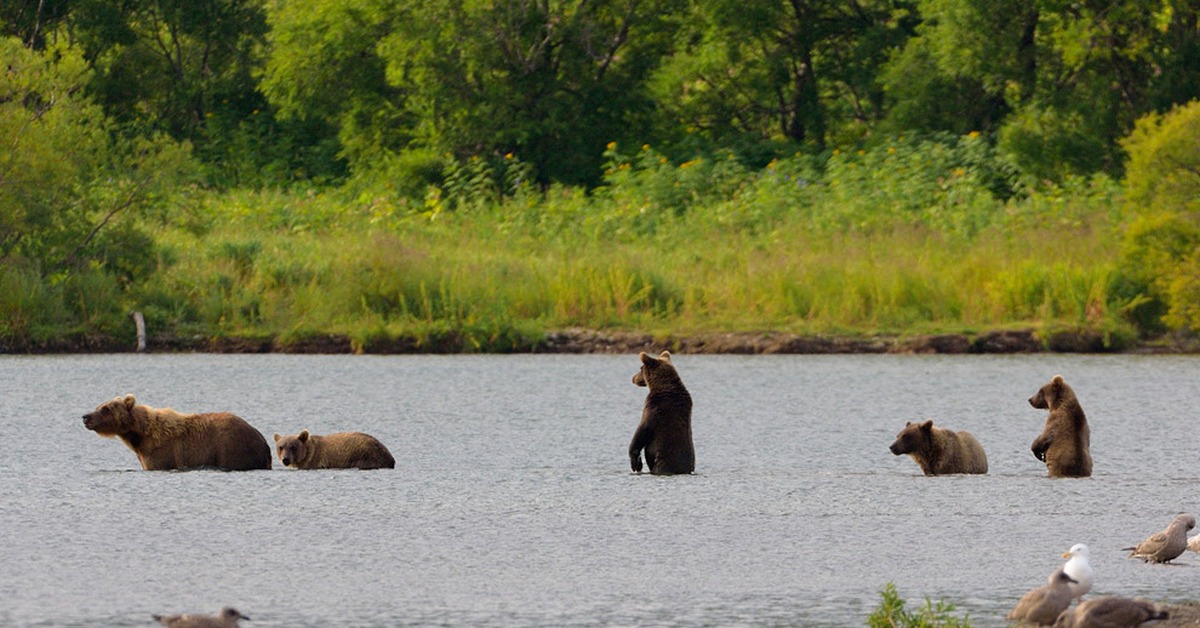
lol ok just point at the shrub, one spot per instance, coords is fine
(1158, 256)
(891, 613)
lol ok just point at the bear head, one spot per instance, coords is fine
(292, 449)
(112, 417)
(656, 373)
(912, 438)
(1051, 395)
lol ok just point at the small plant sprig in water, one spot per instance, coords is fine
(891, 614)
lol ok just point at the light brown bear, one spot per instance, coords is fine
(164, 439)
(665, 432)
(1065, 442)
(940, 451)
(344, 450)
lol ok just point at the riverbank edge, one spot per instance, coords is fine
(584, 341)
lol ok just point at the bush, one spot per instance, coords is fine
(891, 614)
(1158, 257)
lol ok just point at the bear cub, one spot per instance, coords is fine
(940, 451)
(344, 450)
(665, 432)
(1065, 442)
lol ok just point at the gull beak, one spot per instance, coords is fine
(1066, 554)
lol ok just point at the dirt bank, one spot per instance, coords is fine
(590, 341)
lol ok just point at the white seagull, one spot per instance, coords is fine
(1079, 569)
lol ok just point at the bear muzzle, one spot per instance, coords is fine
(89, 421)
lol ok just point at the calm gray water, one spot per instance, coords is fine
(512, 503)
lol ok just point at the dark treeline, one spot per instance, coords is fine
(274, 91)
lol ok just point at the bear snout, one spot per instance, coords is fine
(895, 449)
(287, 462)
(87, 420)
(1033, 401)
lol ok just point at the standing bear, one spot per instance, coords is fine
(344, 450)
(940, 451)
(1065, 442)
(164, 439)
(665, 431)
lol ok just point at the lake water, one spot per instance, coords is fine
(512, 503)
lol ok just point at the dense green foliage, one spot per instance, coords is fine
(384, 168)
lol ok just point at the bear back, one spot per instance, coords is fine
(665, 431)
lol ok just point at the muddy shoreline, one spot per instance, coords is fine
(582, 341)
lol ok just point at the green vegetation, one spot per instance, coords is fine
(473, 174)
(891, 614)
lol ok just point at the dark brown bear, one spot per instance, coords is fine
(164, 439)
(940, 451)
(665, 432)
(1065, 442)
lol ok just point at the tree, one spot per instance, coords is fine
(66, 185)
(549, 80)
(1161, 251)
(1058, 83)
(770, 69)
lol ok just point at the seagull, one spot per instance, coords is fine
(1041, 606)
(227, 618)
(1109, 611)
(1079, 569)
(1167, 545)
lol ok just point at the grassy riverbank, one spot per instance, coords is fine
(911, 238)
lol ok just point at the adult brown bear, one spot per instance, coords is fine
(940, 451)
(164, 439)
(1065, 442)
(665, 432)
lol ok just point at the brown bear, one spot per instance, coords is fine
(665, 431)
(164, 439)
(1065, 442)
(344, 450)
(940, 451)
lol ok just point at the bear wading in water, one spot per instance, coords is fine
(940, 451)
(164, 439)
(1065, 442)
(665, 432)
(344, 450)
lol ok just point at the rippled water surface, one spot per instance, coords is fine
(512, 502)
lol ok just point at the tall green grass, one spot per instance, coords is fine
(691, 247)
(911, 237)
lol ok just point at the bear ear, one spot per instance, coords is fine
(1057, 380)
(927, 425)
(647, 359)
(665, 356)
(277, 437)
(303, 436)
(129, 401)
(907, 423)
